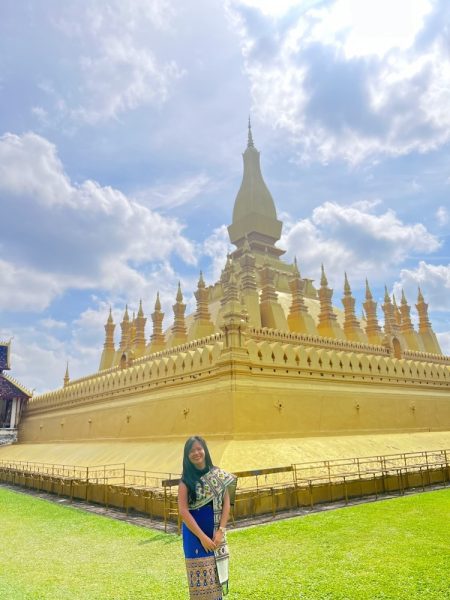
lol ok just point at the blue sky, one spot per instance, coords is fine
(122, 124)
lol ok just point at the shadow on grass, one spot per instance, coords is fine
(162, 538)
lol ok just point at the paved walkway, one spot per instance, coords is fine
(143, 520)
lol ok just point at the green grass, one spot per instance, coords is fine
(393, 549)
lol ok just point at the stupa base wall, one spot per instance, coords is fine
(256, 407)
(260, 397)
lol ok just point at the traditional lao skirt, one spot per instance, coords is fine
(201, 565)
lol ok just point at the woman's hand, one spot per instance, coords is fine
(208, 544)
(218, 538)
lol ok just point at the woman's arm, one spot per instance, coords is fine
(218, 535)
(207, 543)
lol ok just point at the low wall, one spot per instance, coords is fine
(260, 492)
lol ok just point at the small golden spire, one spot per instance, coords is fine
(323, 278)
(347, 289)
(158, 302)
(125, 314)
(67, 376)
(368, 292)
(179, 297)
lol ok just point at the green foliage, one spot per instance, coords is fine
(392, 549)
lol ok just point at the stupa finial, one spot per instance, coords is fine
(179, 296)
(250, 143)
(323, 277)
(157, 302)
(347, 289)
(125, 314)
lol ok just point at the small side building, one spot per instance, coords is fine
(13, 398)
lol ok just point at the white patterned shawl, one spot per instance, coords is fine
(211, 488)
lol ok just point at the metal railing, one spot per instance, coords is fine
(259, 492)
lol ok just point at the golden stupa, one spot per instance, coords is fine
(267, 370)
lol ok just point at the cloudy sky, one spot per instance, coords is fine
(122, 124)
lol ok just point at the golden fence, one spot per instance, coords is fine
(259, 492)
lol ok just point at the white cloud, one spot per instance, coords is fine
(122, 78)
(271, 8)
(38, 360)
(354, 238)
(88, 236)
(349, 79)
(369, 28)
(115, 59)
(444, 342)
(54, 324)
(434, 281)
(442, 215)
(29, 166)
(171, 195)
(26, 289)
(216, 247)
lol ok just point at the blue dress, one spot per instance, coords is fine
(201, 565)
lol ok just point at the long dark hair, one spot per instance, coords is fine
(191, 475)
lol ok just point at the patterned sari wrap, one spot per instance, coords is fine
(212, 487)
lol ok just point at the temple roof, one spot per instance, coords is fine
(10, 388)
(4, 356)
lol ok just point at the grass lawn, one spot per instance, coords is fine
(392, 549)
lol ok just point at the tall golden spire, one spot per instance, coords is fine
(299, 320)
(412, 339)
(272, 314)
(249, 288)
(328, 325)
(390, 322)
(232, 316)
(225, 275)
(373, 329)
(133, 330)
(352, 328)
(202, 325)
(397, 313)
(139, 344)
(157, 340)
(178, 334)
(108, 354)
(426, 332)
(125, 328)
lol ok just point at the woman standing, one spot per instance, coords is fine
(205, 495)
